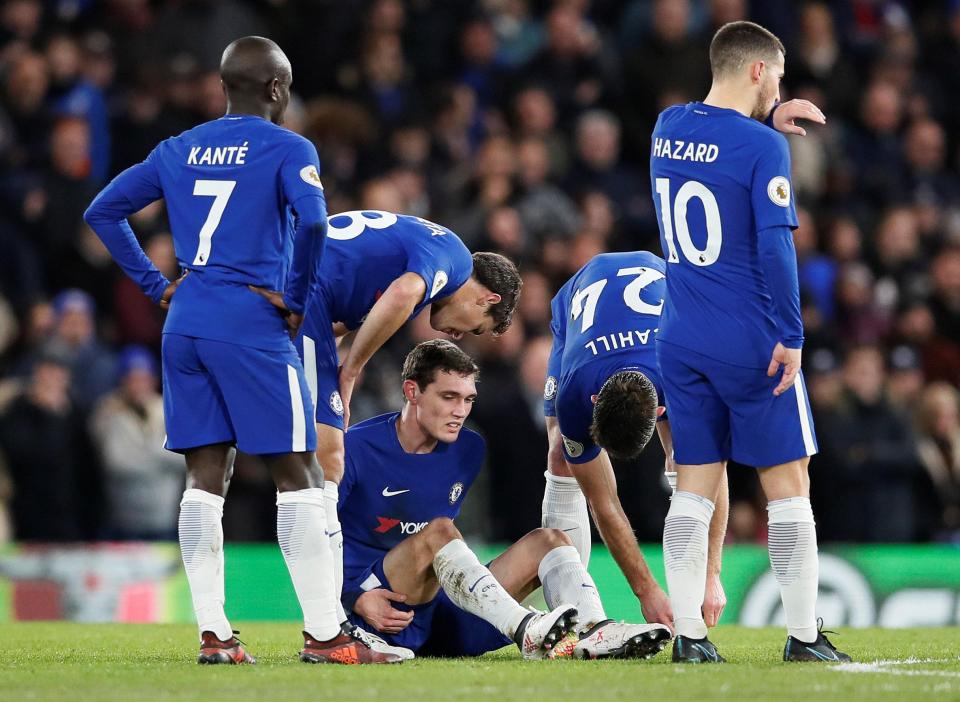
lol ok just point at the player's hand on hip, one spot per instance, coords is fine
(275, 298)
(714, 600)
(377, 610)
(170, 290)
(790, 360)
(787, 114)
(656, 609)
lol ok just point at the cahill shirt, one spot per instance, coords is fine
(604, 320)
(388, 494)
(721, 184)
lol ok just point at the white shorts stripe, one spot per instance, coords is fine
(805, 429)
(310, 366)
(296, 408)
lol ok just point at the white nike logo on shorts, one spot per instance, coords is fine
(387, 492)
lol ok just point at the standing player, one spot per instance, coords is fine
(411, 577)
(730, 322)
(379, 270)
(230, 373)
(601, 400)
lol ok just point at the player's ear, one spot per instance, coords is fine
(660, 410)
(756, 71)
(593, 399)
(274, 87)
(491, 298)
(409, 390)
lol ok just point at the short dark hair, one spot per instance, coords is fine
(737, 43)
(498, 274)
(625, 414)
(428, 357)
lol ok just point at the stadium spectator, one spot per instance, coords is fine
(938, 431)
(144, 481)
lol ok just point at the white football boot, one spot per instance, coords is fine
(542, 631)
(378, 644)
(610, 639)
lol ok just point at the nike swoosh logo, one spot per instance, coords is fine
(470, 589)
(387, 492)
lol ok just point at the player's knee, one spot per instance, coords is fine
(552, 538)
(331, 459)
(439, 532)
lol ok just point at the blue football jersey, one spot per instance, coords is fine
(388, 494)
(604, 320)
(367, 250)
(720, 179)
(231, 187)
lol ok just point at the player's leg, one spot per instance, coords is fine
(700, 426)
(438, 557)
(317, 347)
(198, 425)
(777, 431)
(564, 505)
(548, 557)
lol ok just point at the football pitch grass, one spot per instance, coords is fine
(126, 662)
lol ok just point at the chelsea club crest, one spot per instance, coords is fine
(455, 492)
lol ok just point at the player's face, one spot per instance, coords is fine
(445, 404)
(459, 315)
(769, 88)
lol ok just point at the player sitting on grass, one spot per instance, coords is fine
(410, 577)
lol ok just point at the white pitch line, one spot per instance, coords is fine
(890, 668)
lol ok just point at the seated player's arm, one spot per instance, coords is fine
(126, 194)
(599, 485)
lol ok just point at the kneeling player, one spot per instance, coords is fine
(410, 577)
(601, 400)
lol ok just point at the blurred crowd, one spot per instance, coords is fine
(524, 126)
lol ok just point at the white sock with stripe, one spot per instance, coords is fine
(302, 535)
(565, 508)
(472, 587)
(792, 543)
(564, 579)
(331, 495)
(201, 547)
(685, 534)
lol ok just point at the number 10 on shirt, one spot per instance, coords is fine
(689, 190)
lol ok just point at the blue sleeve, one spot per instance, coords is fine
(771, 193)
(443, 262)
(107, 215)
(558, 324)
(769, 120)
(300, 174)
(778, 259)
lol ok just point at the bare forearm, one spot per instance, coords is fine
(387, 316)
(718, 527)
(617, 534)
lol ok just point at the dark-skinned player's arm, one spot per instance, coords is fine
(303, 191)
(126, 194)
(714, 599)
(384, 319)
(599, 485)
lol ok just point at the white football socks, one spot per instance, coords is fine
(565, 508)
(331, 495)
(471, 586)
(201, 546)
(565, 579)
(685, 535)
(792, 542)
(302, 534)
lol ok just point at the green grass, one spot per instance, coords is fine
(115, 662)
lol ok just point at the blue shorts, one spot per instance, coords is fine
(216, 392)
(439, 628)
(318, 349)
(719, 412)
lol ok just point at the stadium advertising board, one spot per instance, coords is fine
(889, 586)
